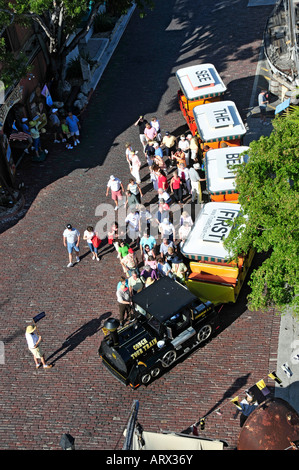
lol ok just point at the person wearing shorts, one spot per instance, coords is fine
(71, 239)
(73, 124)
(33, 341)
(117, 190)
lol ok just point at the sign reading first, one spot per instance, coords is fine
(219, 225)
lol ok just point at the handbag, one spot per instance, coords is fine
(96, 241)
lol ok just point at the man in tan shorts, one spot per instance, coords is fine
(33, 341)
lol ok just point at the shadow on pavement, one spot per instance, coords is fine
(76, 338)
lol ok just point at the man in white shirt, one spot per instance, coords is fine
(117, 190)
(132, 221)
(71, 240)
(184, 146)
(183, 173)
(33, 341)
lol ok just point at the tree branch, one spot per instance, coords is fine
(64, 50)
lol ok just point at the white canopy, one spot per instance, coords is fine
(200, 81)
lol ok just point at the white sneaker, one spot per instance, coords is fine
(115, 208)
(70, 265)
(46, 151)
(77, 259)
(26, 151)
(78, 141)
(63, 140)
(56, 141)
(98, 259)
(75, 143)
(93, 256)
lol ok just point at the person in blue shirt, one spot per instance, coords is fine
(74, 127)
(149, 240)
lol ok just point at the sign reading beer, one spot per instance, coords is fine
(218, 225)
(225, 165)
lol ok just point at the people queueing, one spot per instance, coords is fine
(156, 260)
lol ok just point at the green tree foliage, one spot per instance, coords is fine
(269, 196)
(64, 22)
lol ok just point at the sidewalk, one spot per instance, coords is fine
(288, 342)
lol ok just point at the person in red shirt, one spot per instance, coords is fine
(176, 187)
(162, 180)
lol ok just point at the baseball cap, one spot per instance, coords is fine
(69, 226)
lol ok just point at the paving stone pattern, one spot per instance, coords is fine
(78, 395)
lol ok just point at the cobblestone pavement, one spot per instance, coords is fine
(78, 395)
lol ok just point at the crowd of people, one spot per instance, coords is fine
(148, 243)
(63, 129)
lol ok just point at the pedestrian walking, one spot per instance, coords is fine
(135, 189)
(130, 262)
(135, 167)
(74, 126)
(141, 123)
(33, 343)
(131, 199)
(162, 180)
(156, 124)
(113, 236)
(183, 173)
(71, 240)
(115, 185)
(147, 240)
(154, 174)
(135, 283)
(36, 139)
(176, 187)
(66, 133)
(124, 301)
(132, 221)
(169, 141)
(129, 152)
(150, 132)
(184, 146)
(56, 126)
(91, 236)
(263, 101)
(193, 146)
(149, 152)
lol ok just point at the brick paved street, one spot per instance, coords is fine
(78, 395)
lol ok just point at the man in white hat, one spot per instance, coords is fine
(55, 121)
(33, 341)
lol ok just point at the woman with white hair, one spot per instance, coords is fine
(135, 167)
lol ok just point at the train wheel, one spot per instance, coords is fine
(168, 358)
(155, 372)
(204, 333)
(145, 379)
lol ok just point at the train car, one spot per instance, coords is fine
(199, 84)
(219, 124)
(220, 175)
(169, 322)
(213, 275)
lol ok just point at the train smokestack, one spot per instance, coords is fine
(111, 325)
